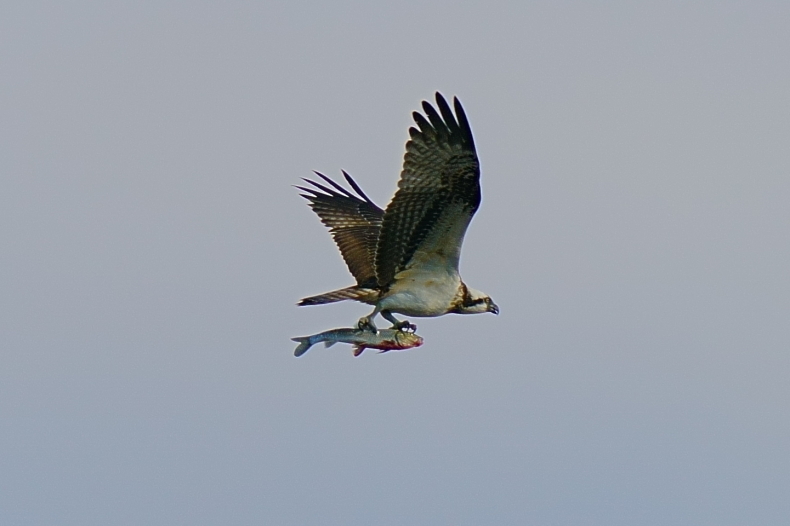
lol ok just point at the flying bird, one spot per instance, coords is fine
(405, 258)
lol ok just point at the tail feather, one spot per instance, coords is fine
(304, 344)
(356, 293)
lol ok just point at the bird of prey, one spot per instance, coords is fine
(405, 258)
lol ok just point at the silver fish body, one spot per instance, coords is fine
(384, 340)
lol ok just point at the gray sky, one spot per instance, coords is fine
(634, 231)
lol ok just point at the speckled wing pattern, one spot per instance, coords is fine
(438, 192)
(353, 220)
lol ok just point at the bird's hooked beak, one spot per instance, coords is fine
(492, 307)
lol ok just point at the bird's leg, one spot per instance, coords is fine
(397, 324)
(366, 322)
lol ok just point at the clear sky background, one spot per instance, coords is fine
(634, 232)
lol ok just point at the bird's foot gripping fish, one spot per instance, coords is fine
(384, 340)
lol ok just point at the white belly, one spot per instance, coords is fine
(421, 294)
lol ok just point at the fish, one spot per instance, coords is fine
(384, 340)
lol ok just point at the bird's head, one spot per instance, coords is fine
(476, 302)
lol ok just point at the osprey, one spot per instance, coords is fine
(405, 259)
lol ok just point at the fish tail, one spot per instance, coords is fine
(349, 293)
(305, 342)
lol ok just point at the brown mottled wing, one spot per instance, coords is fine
(437, 195)
(354, 222)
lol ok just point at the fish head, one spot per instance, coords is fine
(407, 340)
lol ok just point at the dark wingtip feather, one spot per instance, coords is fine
(308, 194)
(422, 122)
(339, 188)
(319, 174)
(426, 107)
(325, 189)
(303, 189)
(460, 113)
(356, 187)
(463, 122)
(447, 114)
(442, 128)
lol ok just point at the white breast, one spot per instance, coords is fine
(422, 293)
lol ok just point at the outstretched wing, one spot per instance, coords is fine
(438, 193)
(353, 220)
